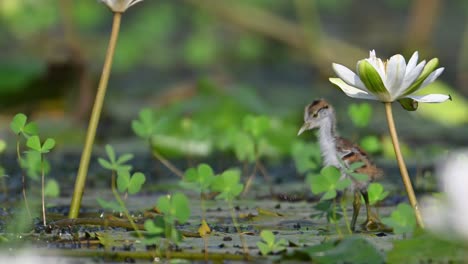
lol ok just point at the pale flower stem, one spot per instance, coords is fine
(401, 164)
(94, 121)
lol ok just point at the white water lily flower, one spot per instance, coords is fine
(119, 6)
(449, 216)
(393, 80)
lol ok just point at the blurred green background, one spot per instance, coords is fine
(214, 61)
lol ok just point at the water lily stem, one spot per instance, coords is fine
(93, 123)
(402, 165)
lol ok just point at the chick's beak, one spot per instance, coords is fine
(304, 127)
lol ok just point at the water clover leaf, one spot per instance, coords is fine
(153, 227)
(34, 143)
(52, 189)
(19, 126)
(269, 245)
(115, 163)
(130, 183)
(402, 220)
(144, 127)
(174, 207)
(200, 178)
(244, 147)
(256, 125)
(228, 184)
(360, 114)
(306, 156)
(376, 193)
(328, 182)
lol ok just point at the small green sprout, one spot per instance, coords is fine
(360, 114)
(376, 193)
(175, 208)
(147, 125)
(34, 143)
(269, 245)
(155, 229)
(328, 209)
(19, 126)
(124, 182)
(402, 220)
(115, 164)
(130, 183)
(228, 184)
(200, 178)
(328, 182)
(229, 187)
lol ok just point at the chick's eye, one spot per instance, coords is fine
(315, 115)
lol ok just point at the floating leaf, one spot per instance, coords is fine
(402, 220)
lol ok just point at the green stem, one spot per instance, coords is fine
(93, 123)
(23, 176)
(345, 215)
(42, 190)
(236, 225)
(124, 208)
(337, 226)
(401, 164)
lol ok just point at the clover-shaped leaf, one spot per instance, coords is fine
(174, 207)
(328, 182)
(144, 127)
(306, 156)
(20, 126)
(34, 143)
(257, 126)
(130, 183)
(371, 144)
(115, 163)
(199, 178)
(402, 220)
(228, 184)
(269, 245)
(360, 114)
(376, 193)
(244, 147)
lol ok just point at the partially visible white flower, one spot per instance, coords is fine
(448, 216)
(120, 6)
(393, 80)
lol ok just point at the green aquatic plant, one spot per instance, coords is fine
(269, 244)
(376, 193)
(21, 128)
(122, 181)
(328, 182)
(118, 7)
(306, 156)
(229, 187)
(146, 127)
(402, 219)
(387, 82)
(35, 145)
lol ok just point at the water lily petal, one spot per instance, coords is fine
(428, 69)
(412, 62)
(352, 91)
(432, 77)
(373, 81)
(396, 68)
(377, 63)
(430, 98)
(348, 76)
(411, 76)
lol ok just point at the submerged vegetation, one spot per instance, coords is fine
(230, 179)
